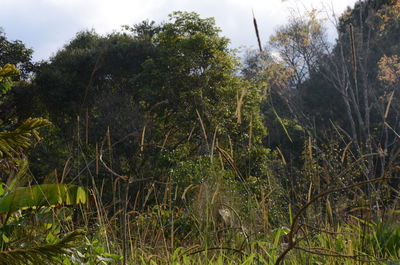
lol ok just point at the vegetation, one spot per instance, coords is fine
(158, 145)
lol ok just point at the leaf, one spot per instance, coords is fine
(15, 141)
(5, 238)
(21, 177)
(99, 250)
(282, 124)
(42, 254)
(42, 195)
(5, 85)
(6, 73)
(50, 238)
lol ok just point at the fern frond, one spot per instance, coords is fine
(16, 141)
(43, 254)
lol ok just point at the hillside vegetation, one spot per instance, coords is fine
(157, 144)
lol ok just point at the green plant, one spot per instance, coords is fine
(41, 254)
(14, 198)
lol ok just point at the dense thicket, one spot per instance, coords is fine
(179, 142)
(152, 96)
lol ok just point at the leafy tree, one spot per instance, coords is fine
(192, 77)
(75, 78)
(162, 78)
(280, 103)
(300, 44)
(90, 78)
(15, 53)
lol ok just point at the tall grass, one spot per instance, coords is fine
(214, 217)
(204, 210)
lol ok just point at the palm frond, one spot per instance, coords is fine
(21, 177)
(6, 72)
(43, 254)
(13, 142)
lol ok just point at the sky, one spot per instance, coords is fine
(47, 25)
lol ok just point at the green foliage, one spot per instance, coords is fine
(383, 239)
(89, 70)
(13, 142)
(323, 103)
(89, 252)
(192, 70)
(15, 53)
(41, 254)
(172, 143)
(44, 195)
(6, 72)
(12, 146)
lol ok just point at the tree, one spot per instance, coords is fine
(15, 53)
(300, 44)
(192, 77)
(88, 70)
(342, 76)
(365, 34)
(274, 78)
(144, 97)
(87, 89)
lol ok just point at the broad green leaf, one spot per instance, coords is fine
(50, 238)
(5, 238)
(42, 195)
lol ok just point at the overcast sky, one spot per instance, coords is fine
(47, 25)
